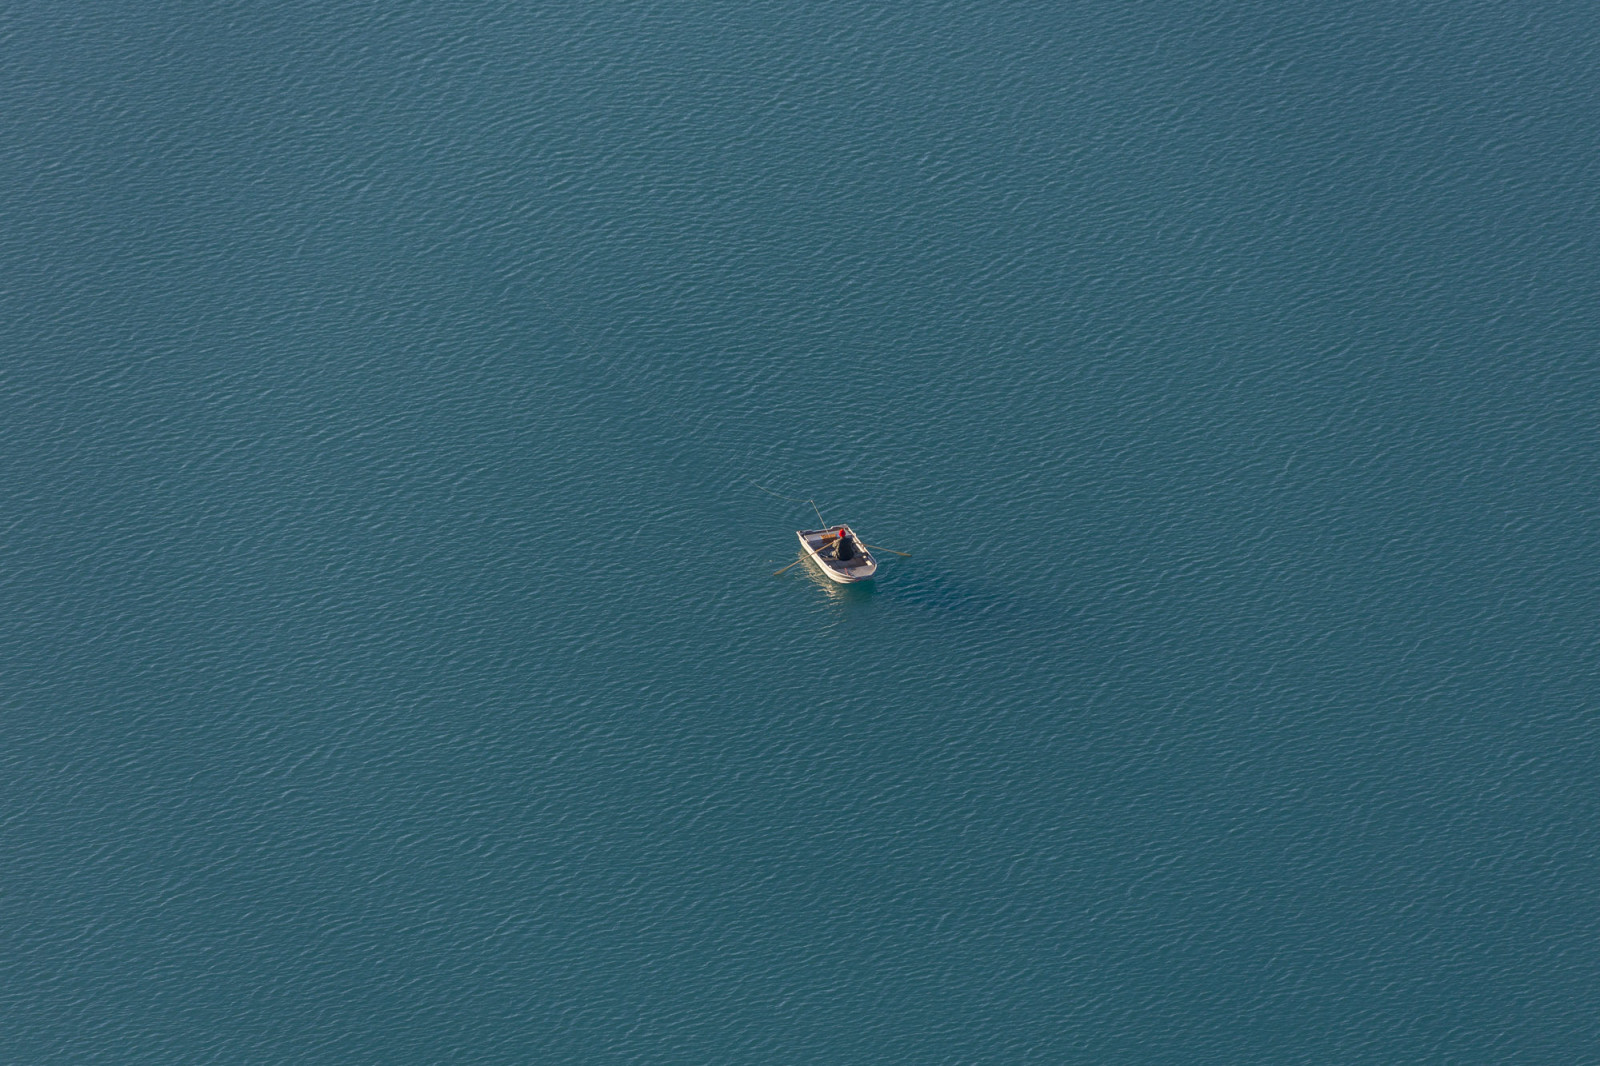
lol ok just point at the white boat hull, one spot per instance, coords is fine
(822, 556)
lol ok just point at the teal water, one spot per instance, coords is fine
(393, 670)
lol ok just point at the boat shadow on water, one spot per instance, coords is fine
(935, 590)
(957, 610)
(966, 602)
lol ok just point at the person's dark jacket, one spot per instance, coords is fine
(845, 550)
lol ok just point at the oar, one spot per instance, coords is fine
(829, 541)
(826, 541)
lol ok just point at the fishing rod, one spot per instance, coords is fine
(820, 523)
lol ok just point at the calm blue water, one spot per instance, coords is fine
(392, 666)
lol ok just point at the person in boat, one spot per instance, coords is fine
(844, 549)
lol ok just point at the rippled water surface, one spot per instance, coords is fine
(393, 670)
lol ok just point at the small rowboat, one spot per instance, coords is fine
(819, 545)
